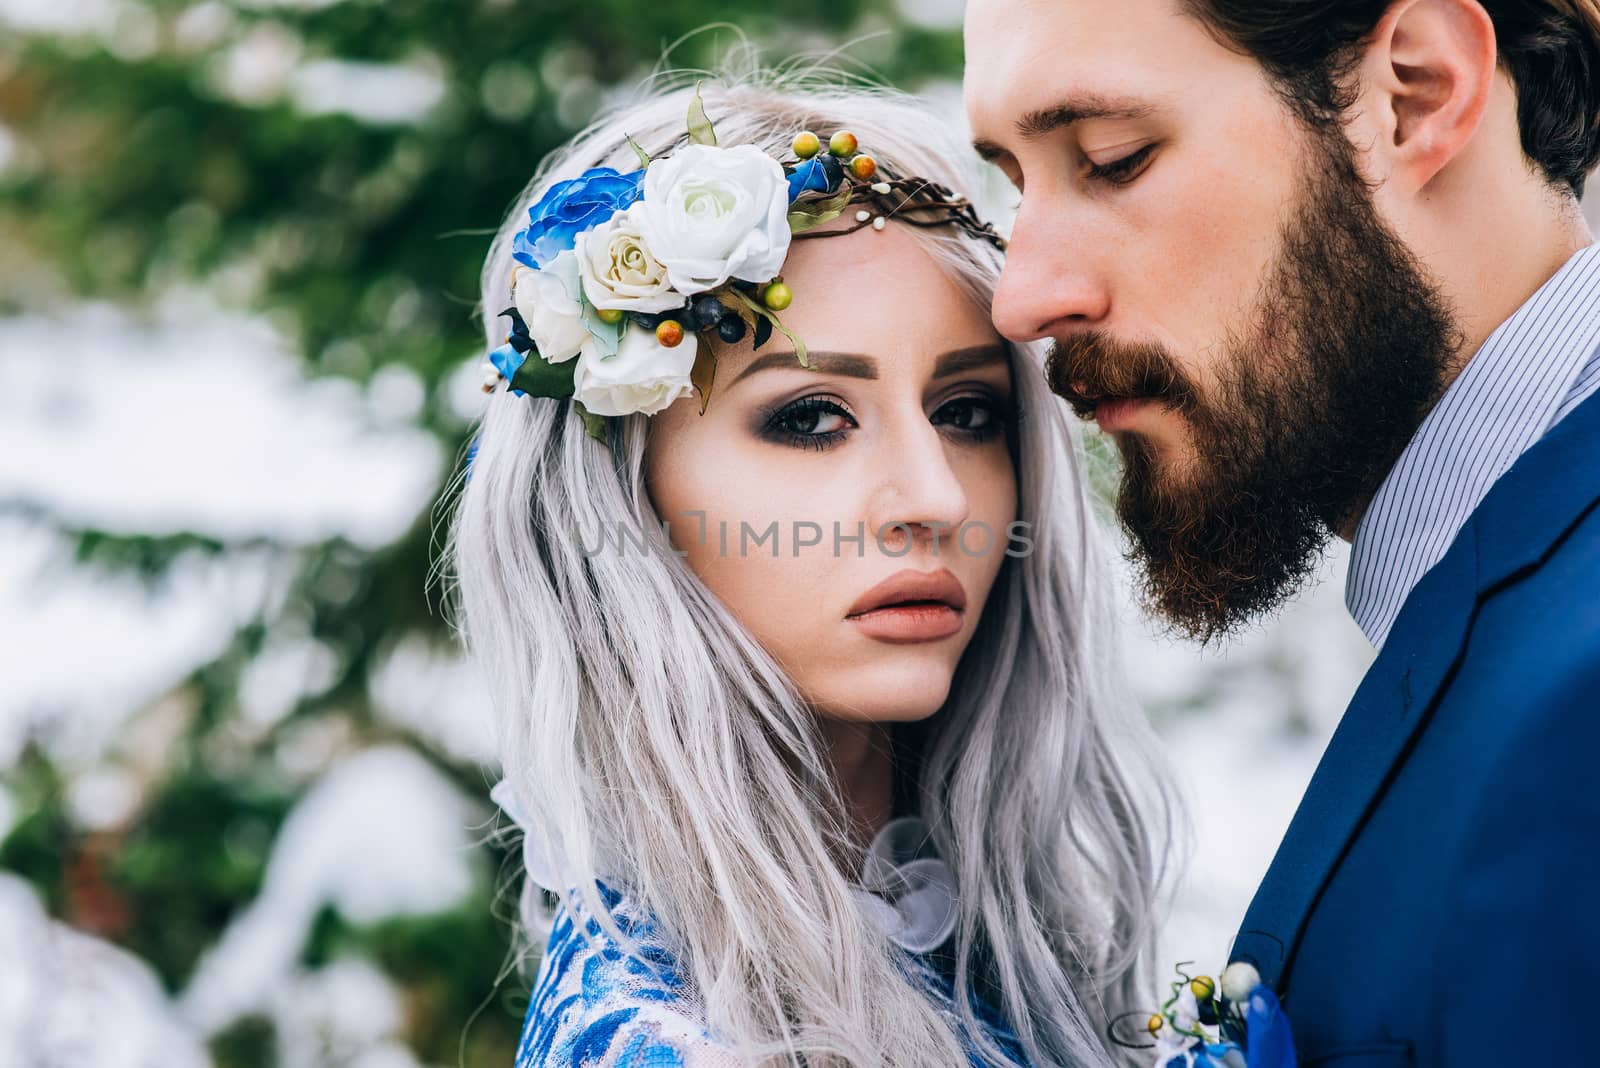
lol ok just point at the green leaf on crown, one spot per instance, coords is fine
(704, 373)
(594, 425)
(806, 213)
(700, 130)
(607, 335)
(766, 315)
(644, 157)
(539, 377)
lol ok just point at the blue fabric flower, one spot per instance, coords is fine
(820, 174)
(506, 359)
(1216, 1055)
(1267, 1037)
(571, 207)
(1208, 1055)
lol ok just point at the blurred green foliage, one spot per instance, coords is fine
(153, 157)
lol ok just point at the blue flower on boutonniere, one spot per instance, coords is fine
(1197, 1025)
(568, 208)
(1267, 1034)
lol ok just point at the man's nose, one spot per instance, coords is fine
(1051, 285)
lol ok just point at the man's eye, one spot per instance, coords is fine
(1124, 170)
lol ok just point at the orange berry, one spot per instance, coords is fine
(669, 333)
(864, 167)
(843, 143)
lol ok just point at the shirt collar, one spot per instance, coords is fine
(1508, 395)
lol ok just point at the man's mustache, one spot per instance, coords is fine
(1086, 370)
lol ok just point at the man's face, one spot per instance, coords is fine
(1152, 216)
(1224, 298)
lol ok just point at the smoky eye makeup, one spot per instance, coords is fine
(816, 421)
(820, 421)
(978, 415)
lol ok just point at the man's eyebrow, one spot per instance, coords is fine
(1064, 113)
(849, 364)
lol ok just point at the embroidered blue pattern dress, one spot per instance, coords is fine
(593, 1005)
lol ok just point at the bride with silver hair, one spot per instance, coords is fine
(799, 634)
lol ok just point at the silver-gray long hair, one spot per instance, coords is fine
(641, 720)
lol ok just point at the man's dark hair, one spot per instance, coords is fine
(1550, 49)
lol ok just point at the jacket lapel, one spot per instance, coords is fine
(1547, 493)
(1376, 730)
(1543, 496)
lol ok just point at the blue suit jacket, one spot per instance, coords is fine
(1436, 900)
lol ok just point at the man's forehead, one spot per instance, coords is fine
(1024, 56)
(1042, 29)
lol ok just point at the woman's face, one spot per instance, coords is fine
(784, 496)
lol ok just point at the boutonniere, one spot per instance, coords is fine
(1238, 1024)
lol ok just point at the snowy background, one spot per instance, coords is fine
(189, 417)
(88, 658)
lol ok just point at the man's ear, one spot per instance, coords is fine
(1429, 70)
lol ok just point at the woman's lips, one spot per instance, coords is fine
(910, 622)
(912, 606)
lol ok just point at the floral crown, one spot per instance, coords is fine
(617, 274)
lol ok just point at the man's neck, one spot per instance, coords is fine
(1497, 284)
(1489, 289)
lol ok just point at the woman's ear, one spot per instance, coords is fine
(1428, 72)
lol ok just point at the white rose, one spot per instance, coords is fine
(711, 214)
(620, 271)
(644, 376)
(547, 300)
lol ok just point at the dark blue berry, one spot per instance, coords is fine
(707, 312)
(731, 329)
(833, 169)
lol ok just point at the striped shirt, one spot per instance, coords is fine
(1531, 373)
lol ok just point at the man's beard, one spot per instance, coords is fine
(1347, 349)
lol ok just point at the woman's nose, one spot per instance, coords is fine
(919, 494)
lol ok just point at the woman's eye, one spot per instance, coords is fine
(811, 422)
(981, 417)
(1124, 170)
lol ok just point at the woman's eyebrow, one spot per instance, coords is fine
(968, 359)
(849, 364)
(857, 365)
